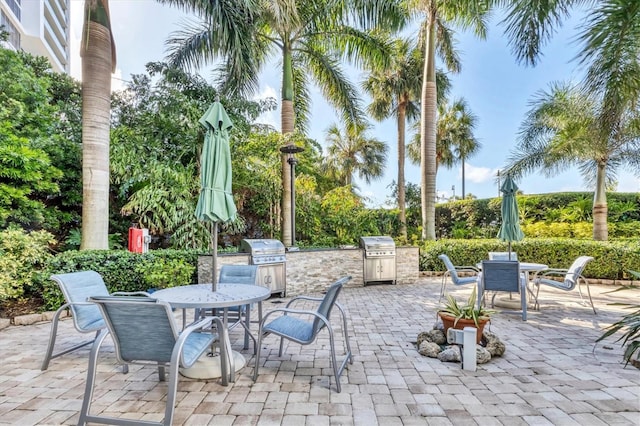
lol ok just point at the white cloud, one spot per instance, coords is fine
(479, 174)
(270, 117)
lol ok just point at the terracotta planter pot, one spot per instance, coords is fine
(448, 321)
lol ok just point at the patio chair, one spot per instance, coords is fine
(452, 273)
(564, 279)
(502, 255)
(303, 326)
(243, 275)
(144, 331)
(502, 275)
(76, 288)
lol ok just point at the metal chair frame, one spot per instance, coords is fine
(320, 320)
(572, 278)
(452, 273)
(154, 339)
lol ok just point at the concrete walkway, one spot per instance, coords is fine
(552, 373)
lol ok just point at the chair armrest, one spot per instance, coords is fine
(467, 268)
(295, 299)
(290, 311)
(550, 272)
(131, 293)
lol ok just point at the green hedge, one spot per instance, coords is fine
(120, 269)
(611, 261)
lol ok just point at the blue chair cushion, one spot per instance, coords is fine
(291, 327)
(194, 346)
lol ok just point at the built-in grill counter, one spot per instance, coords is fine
(379, 261)
(270, 257)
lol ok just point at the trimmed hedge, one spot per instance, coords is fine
(611, 261)
(120, 269)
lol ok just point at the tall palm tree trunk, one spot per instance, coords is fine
(98, 60)
(402, 107)
(287, 125)
(428, 132)
(600, 209)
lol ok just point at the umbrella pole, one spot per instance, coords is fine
(214, 258)
(509, 250)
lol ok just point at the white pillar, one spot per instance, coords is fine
(469, 349)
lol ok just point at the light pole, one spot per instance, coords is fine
(499, 183)
(453, 192)
(291, 150)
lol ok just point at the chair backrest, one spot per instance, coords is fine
(238, 274)
(501, 275)
(452, 269)
(502, 255)
(575, 271)
(142, 328)
(327, 303)
(77, 287)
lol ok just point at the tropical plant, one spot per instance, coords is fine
(629, 324)
(395, 91)
(455, 141)
(564, 127)
(310, 38)
(438, 16)
(352, 152)
(467, 310)
(98, 62)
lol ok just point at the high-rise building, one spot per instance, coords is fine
(40, 27)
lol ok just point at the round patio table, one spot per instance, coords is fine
(201, 296)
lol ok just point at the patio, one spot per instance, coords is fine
(551, 373)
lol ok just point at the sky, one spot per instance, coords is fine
(495, 87)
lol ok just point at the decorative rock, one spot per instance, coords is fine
(482, 355)
(27, 319)
(4, 323)
(435, 336)
(450, 354)
(494, 344)
(429, 349)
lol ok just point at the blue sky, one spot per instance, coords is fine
(495, 87)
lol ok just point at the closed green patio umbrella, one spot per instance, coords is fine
(510, 228)
(215, 203)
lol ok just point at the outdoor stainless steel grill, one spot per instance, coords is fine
(270, 257)
(379, 259)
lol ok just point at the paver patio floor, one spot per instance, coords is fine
(552, 373)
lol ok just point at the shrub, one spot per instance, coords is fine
(22, 254)
(612, 259)
(160, 273)
(120, 269)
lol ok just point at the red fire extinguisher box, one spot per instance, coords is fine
(136, 240)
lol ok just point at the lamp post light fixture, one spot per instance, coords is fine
(291, 150)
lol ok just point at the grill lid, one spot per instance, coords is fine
(377, 243)
(262, 247)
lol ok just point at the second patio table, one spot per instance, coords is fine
(200, 296)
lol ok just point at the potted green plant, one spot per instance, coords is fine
(467, 314)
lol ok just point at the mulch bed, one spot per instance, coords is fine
(28, 305)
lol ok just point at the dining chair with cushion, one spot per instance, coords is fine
(144, 331)
(241, 275)
(303, 326)
(452, 273)
(503, 255)
(505, 276)
(76, 288)
(564, 279)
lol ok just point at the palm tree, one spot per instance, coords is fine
(455, 141)
(610, 53)
(98, 62)
(394, 92)
(353, 152)
(310, 37)
(563, 128)
(438, 15)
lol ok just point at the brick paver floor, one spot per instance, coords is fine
(552, 373)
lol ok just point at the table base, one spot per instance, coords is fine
(208, 367)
